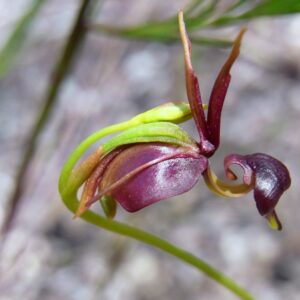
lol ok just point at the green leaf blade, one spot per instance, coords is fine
(14, 43)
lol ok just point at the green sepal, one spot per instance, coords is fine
(109, 206)
(163, 132)
(175, 112)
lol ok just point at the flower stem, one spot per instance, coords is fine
(71, 202)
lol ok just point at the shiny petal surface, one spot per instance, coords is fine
(269, 177)
(176, 172)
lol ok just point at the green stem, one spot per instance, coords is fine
(71, 202)
(69, 184)
(83, 146)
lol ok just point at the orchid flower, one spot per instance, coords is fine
(153, 159)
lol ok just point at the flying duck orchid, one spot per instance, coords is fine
(153, 159)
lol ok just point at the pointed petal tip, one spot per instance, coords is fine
(273, 221)
(109, 206)
(81, 209)
(238, 39)
(185, 42)
(235, 52)
(241, 33)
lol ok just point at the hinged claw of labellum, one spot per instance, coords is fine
(154, 159)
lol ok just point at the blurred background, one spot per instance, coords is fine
(44, 253)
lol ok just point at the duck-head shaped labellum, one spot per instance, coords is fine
(158, 160)
(269, 178)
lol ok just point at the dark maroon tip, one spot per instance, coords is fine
(272, 178)
(269, 177)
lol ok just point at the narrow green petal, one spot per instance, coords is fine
(164, 132)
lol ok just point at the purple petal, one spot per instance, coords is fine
(219, 92)
(193, 92)
(268, 175)
(176, 173)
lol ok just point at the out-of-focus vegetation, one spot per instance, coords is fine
(199, 15)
